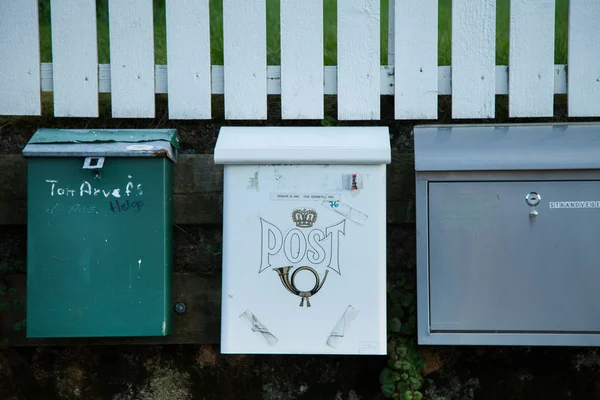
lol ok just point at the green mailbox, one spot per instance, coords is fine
(99, 232)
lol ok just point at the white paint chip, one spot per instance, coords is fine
(140, 147)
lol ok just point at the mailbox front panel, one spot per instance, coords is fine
(99, 248)
(304, 259)
(503, 262)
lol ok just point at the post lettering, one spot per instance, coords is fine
(269, 247)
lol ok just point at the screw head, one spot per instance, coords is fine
(180, 308)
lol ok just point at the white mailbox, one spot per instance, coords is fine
(304, 239)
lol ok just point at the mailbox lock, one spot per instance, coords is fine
(533, 199)
(95, 164)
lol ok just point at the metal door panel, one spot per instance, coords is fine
(494, 268)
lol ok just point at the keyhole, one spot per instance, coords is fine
(533, 199)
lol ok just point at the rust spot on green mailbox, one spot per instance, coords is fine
(99, 233)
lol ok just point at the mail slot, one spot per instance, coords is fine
(99, 218)
(508, 233)
(304, 239)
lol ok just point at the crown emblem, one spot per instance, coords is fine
(304, 218)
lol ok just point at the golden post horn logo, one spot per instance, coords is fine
(289, 284)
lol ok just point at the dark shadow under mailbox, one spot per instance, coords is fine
(508, 233)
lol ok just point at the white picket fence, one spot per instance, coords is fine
(413, 77)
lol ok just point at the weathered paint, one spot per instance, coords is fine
(188, 60)
(74, 38)
(358, 52)
(19, 58)
(584, 56)
(245, 59)
(473, 58)
(302, 59)
(132, 58)
(531, 61)
(416, 75)
(106, 281)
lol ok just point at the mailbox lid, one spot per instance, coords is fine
(494, 269)
(103, 143)
(303, 145)
(507, 147)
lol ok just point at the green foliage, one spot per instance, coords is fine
(402, 378)
(19, 326)
(8, 302)
(328, 121)
(15, 267)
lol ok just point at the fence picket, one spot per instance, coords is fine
(302, 59)
(19, 58)
(416, 69)
(531, 61)
(188, 59)
(584, 54)
(358, 59)
(74, 38)
(245, 59)
(473, 58)
(131, 58)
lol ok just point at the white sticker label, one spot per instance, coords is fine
(574, 204)
(306, 196)
(344, 209)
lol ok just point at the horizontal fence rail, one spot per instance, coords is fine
(386, 87)
(412, 76)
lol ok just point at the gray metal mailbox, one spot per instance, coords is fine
(508, 234)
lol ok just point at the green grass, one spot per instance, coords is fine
(330, 27)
